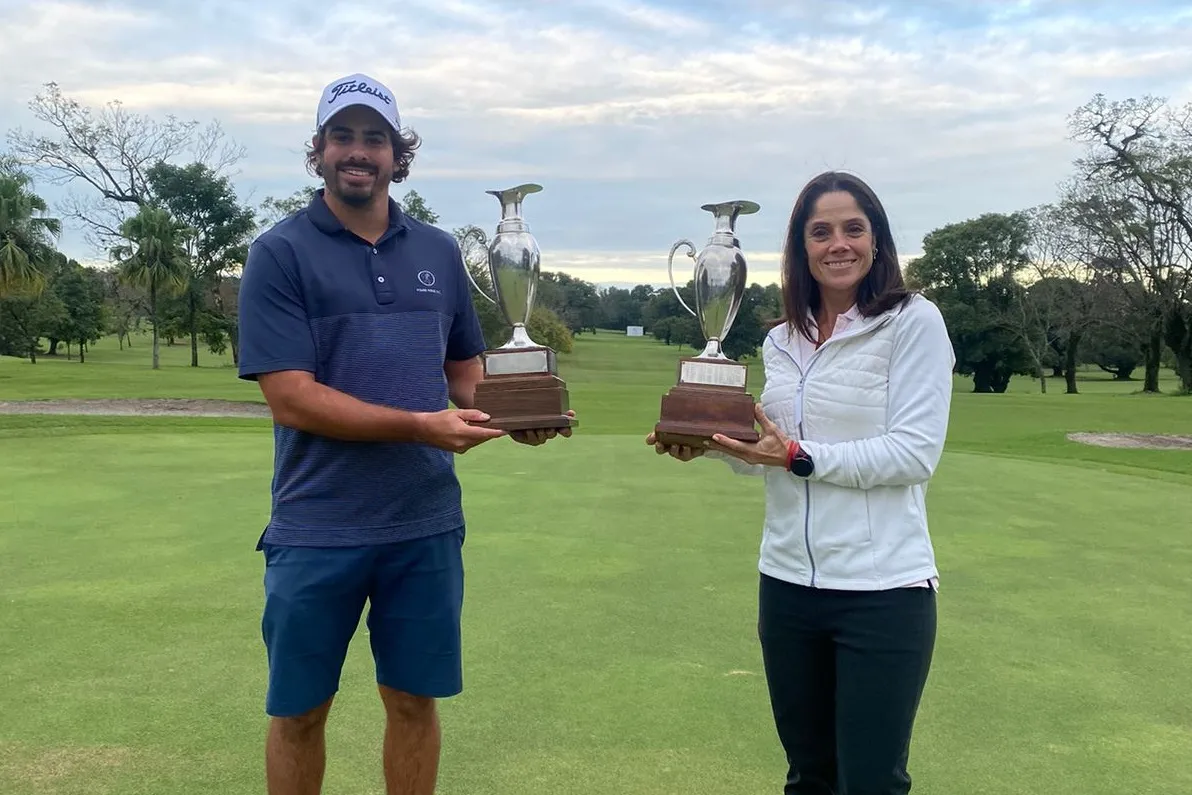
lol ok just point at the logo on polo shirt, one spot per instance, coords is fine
(427, 280)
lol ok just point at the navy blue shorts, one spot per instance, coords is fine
(314, 597)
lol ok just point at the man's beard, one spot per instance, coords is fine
(358, 196)
(355, 199)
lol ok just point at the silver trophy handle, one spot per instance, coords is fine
(670, 269)
(478, 233)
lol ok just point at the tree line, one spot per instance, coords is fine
(1100, 276)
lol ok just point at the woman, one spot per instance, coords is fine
(853, 418)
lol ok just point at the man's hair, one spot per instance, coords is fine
(404, 146)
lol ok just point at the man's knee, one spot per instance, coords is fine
(304, 727)
(407, 708)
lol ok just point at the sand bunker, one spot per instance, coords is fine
(156, 407)
(1134, 440)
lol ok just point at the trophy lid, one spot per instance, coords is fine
(511, 200)
(737, 206)
(520, 190)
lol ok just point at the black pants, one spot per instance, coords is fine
(845, 671)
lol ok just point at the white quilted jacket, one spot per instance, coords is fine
(872, 410)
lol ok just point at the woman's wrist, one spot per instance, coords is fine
(792, 450)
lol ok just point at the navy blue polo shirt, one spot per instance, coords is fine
(378, 323)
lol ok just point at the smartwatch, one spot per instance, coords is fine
(798, 462)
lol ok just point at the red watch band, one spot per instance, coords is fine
(792, 450)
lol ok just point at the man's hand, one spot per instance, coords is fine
(535, 437)
(453, 429)
(679, 451)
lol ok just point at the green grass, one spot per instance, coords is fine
(110, 372)
(609, 625)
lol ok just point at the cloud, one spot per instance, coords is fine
(632, 114)
(645, 17)
(650, 267)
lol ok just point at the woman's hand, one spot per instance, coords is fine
(770, 450)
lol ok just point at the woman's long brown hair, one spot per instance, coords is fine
(882, 288)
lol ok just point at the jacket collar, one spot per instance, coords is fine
(787, 339)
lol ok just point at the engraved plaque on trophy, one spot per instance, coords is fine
(710, 396)
(521, 389)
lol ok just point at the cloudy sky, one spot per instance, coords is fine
(631, 114)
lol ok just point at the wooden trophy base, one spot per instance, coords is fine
(521, 391)
(709, 399)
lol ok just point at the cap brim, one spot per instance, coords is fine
(389, 122)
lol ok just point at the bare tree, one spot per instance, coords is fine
(111, 152)
(1054, 302)
(1037, 305)
(1133, 246)
(1071, 267)
(1138, 171)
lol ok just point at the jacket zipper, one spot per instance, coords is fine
(806, 484)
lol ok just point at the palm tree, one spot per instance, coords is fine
(26, 236)
(153, 258)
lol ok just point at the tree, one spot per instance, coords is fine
(154, 259)
(218, 230)
(416, 207)
(970, 270)
(663, 329)
(663, 304)
(273, 210)
(111, 152)
(770, 307)
(80, 292)
(618, 308)
(26, 235)
(122, 307)
(574, 300)
(1037, 306)
(1129, 245)
(546, 328)
(1139, 158)
(1053, 301)
(1116, 341)
(25, 318)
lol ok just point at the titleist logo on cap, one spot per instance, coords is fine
(354, 87)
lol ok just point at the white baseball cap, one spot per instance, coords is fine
(357, 89)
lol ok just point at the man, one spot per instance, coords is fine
(356, 321)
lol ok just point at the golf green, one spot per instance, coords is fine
(609, 629)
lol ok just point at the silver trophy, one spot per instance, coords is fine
(514, 262)
(521, 389)
(720, 275)
(710, 396)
